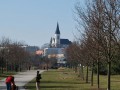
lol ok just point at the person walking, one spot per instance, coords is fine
(9, 82)
(38, 77)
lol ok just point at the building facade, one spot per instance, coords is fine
(57, 47)
(57, 42)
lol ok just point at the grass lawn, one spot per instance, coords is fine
(5, 74)
(68, 80)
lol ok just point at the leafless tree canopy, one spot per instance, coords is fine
(12, 55)
(100, 23)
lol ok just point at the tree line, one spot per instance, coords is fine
(13, 56)
(98, 45)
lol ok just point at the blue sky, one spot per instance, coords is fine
(35, 21)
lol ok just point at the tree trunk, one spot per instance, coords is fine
(98, 73)
(75, 69)
(82, 72)
(109, 74)
(92, 75)
(79, 71)
(6, 66)
(2, 69)
(87, 74)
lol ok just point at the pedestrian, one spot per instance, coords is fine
(38, 77)
(29, 67)
(10, 82)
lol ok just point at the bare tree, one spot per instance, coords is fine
(4, 42)
(101, 20)
(17, 55)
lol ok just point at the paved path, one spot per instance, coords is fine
(21, 79)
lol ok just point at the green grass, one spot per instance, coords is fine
(5, 74)
(68, 80)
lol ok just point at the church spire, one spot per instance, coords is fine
(57, 29)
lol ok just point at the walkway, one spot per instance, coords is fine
(21, 79)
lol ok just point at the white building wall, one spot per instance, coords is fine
(57, 40)
(48, 51)
(59, 54)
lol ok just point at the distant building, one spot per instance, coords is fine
(51, 51)
(46, 45)
(58, 53)
(39, 52)
(57, 46)
(57, 42)
(31, 49)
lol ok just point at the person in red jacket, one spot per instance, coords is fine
(9, 82)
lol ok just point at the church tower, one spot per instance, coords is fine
(57, 36)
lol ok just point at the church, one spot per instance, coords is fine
(57, 42)
(57, 47)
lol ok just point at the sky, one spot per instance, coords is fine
(35, 21)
